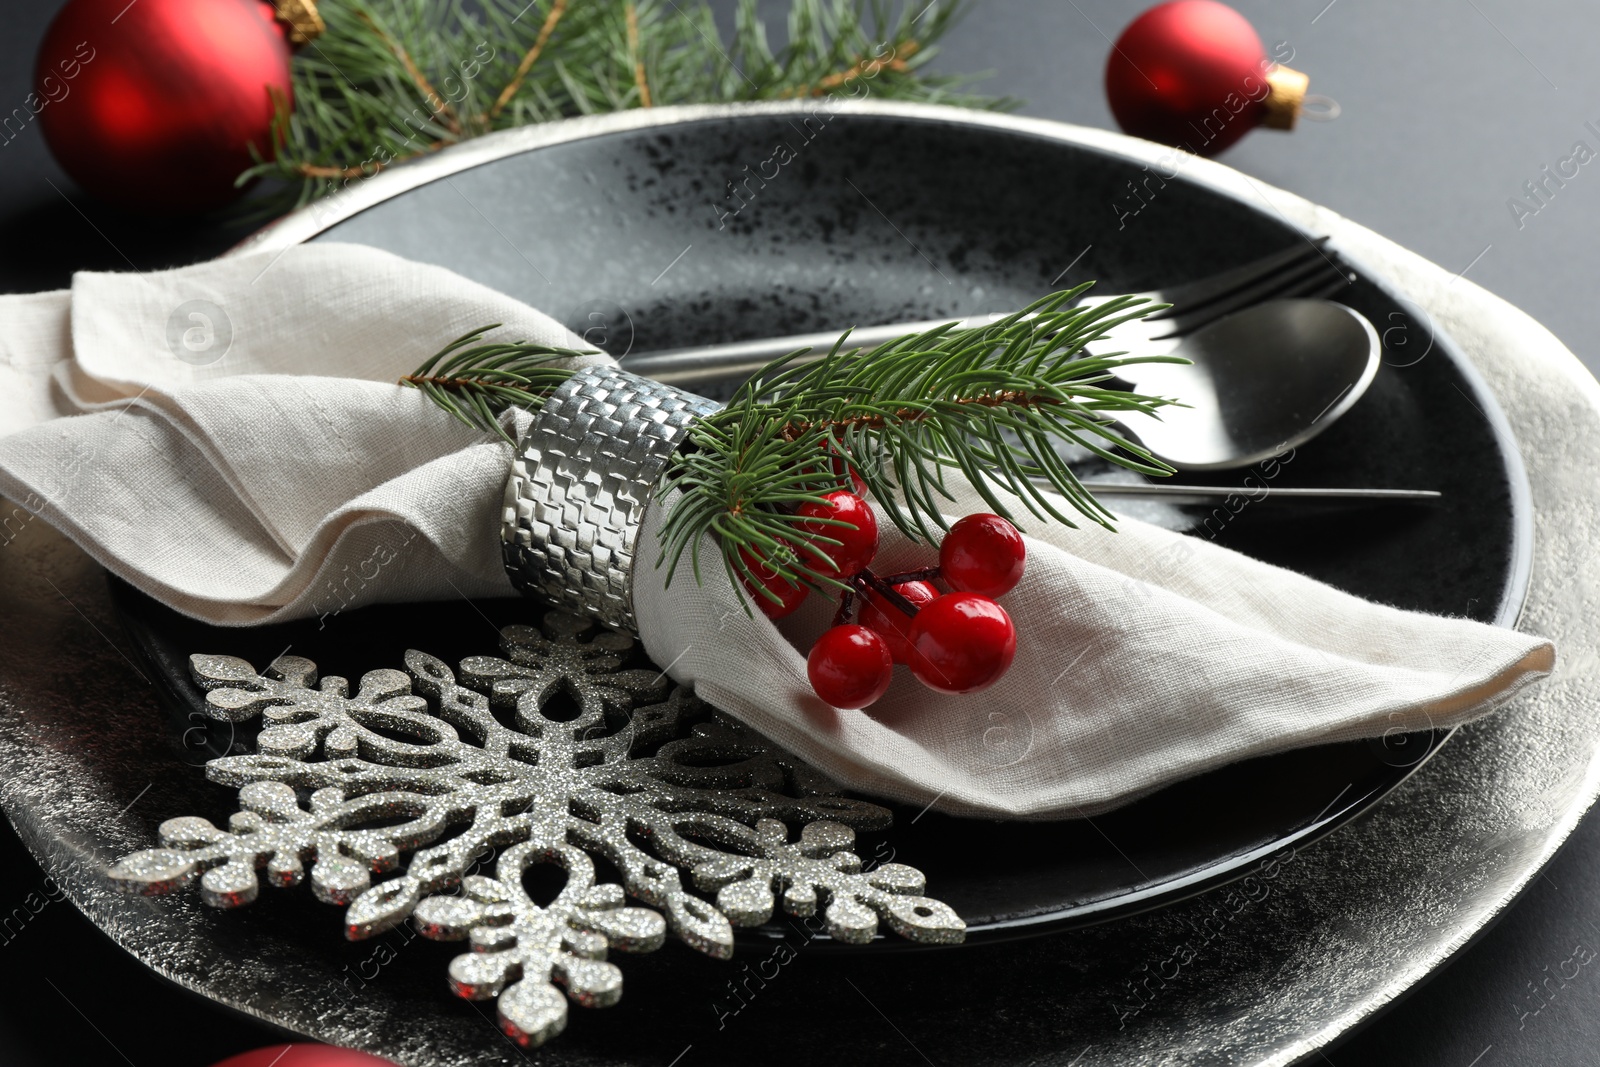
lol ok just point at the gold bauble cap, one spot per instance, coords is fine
(303, 20)
(1286, 92)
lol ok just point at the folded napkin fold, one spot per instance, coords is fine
(218, 464)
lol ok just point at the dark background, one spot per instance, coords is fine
(1449, 106)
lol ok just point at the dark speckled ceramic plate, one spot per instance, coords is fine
(631, 239)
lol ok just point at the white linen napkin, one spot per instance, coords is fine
(217, 464)
(229, 473)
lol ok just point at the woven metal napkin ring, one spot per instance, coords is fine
(583, 475)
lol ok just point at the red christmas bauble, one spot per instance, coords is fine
(154, 105)
(1194, 74)
(304, 1054)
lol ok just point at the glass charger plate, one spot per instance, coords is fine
(953, 1000)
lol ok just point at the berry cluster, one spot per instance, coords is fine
(955, 640)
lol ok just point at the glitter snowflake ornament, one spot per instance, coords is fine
(349, 784)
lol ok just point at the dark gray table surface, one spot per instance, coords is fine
(1449, 107)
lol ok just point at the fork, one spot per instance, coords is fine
(1303, 270)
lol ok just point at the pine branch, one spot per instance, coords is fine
(991, 403)
(476, 383)
(394, 80)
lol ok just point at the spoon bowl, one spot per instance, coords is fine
(1259, 382)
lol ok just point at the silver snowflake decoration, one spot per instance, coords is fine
(348, 784)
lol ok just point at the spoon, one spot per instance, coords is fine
(1259, 382)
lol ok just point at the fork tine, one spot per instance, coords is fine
(1191, 296)
(1296, 283)
(1197, 292)
(1303, 269)
(1333, 286)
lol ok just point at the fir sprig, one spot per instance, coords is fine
(991, 403)
(393, 80)
(477, 382)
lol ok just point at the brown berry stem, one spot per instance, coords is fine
(867, 580)
(925, 574)
(847, 600)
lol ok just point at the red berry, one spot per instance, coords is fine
(982, 553)
(849, 666)
(961, 643)
(859, 540)
(790, 594)
(889, 622)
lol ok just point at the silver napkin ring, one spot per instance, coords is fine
(584, 474)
